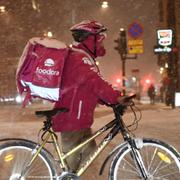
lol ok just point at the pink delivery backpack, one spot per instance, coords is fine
(40, 69)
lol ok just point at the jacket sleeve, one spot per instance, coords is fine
(97, 84)
(103, 89)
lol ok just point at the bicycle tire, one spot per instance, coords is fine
(15, 156)
(161, 161)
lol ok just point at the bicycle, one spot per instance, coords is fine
(135, 158)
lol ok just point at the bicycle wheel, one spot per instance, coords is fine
(14, 158)
(162, 162)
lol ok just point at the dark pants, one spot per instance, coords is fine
(71, 139)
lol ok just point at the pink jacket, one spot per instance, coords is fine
(82, 88)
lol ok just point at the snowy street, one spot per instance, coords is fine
(158, 121)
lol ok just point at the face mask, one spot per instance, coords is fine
(100, 50)
(89, 43)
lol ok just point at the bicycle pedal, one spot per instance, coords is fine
(68, 175)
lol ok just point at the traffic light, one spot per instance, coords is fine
(122, 50)
(118, 80)
(147, 81)
(117, 41)
(121, 43)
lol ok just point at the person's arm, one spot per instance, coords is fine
(102, 88)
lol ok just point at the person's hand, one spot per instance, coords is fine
(124, 100)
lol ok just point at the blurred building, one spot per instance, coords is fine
(21, 20)
(169, 18)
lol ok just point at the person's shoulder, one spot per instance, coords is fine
(76, 54)
(81, 57)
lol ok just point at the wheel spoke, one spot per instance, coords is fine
(166, 166)
(14, 159)
(147, 157)
(158, 166)
(130, 165)
(152, 159)
(168, 175)
(130, 171)
(160, 161)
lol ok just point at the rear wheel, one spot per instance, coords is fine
(14, 158)
(161, 161)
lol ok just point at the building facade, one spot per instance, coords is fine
(169, 62)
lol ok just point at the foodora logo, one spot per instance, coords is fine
(47, 72)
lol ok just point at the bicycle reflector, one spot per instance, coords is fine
(8, 157)
(164, 158)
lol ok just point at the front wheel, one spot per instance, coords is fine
(14, 158)
(161, 161)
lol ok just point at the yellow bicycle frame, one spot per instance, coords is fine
(62, 156)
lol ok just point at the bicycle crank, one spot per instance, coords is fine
(16, 176)
(68, 176)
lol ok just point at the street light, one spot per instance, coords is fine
(35, 5)
(48, 34)
(105, 4)
(118, 80)
(166, 65)
(134, 79)
(18, 99)
(161, 70)
(97, 63)
(148, 81)
(2, 9)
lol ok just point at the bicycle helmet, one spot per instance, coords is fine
(85, 28)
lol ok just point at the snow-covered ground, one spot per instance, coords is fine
(157, 122)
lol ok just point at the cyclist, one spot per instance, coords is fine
(151, 93)
(82, 89)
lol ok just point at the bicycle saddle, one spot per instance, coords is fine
(50, 113)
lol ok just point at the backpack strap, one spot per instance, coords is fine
(26, 99)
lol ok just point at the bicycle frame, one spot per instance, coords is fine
(116, 125)
(62, 156)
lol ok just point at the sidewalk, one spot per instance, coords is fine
(140, 105)
(11, 113)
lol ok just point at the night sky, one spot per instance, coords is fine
(28, 18)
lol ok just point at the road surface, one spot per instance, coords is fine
(157, 122)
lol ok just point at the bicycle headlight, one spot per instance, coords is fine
(138, 143)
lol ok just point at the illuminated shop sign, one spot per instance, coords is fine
(162, 49)
(164, 37)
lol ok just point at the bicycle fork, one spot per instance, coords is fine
(135, 146)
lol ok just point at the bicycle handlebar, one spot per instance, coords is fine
(128, 98)
(120, 108)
